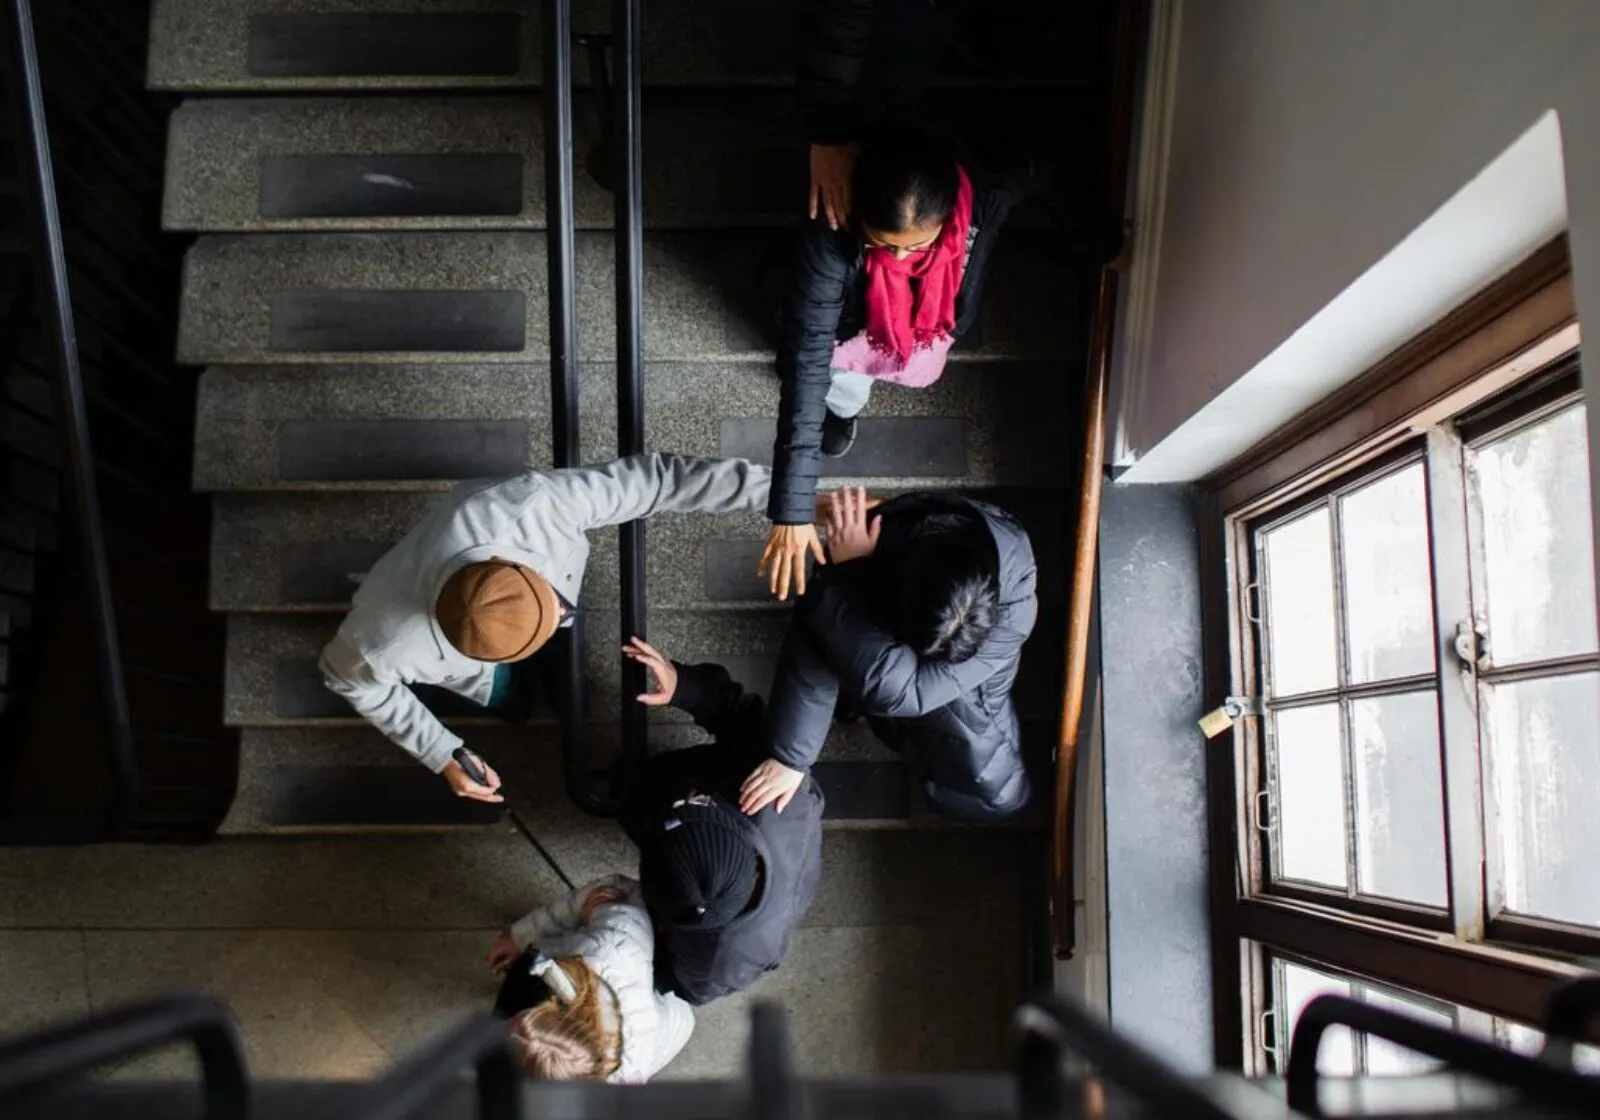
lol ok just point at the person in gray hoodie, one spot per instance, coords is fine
(488, 576)
(918, 624)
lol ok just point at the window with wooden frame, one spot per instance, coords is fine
(1401, 587)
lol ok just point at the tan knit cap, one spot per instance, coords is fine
(497, 611)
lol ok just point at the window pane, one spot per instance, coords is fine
(1544, 757)
(1399, 798)
(1388, 584)
(1337, 1055)
(1299, 592)
(1538, 548)
(1384, 1058)
(1310, 803)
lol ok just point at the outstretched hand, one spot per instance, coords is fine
(784, 560)
(663, 670)
(851, 535)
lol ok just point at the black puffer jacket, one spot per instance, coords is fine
(706, 964)
(958, 718)
(858, 58)
(827, 302)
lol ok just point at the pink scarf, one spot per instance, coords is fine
(911, 303)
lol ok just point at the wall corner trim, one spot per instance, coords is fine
(1148, 204)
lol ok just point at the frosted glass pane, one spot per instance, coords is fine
(1400, 842)
(1310, 805)
(1388, 578)
(1337, 1055)
(1538, 549)
(1544, 759)
(1384, 1058)
(1302, 656)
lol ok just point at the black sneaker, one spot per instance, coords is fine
(838, 435)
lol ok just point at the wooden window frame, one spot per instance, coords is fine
(1520, 324)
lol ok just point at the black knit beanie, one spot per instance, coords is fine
(696, 868)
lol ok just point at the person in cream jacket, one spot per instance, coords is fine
(579, 992)
(486, 578)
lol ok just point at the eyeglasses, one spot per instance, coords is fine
(919, 247)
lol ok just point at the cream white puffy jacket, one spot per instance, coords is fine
(619, 944)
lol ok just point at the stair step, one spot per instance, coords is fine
(436, 163)
(280, 552)
(423, 428)
(272, 676)
(296, 778)
(279, 44)
(480, 298)
(273, 681)
(426, 44)
(406, 427)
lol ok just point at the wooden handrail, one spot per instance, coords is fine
(1127, 45)
(1081, 612)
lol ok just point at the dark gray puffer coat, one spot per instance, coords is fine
(957, 719)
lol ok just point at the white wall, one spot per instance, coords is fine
(1309, 140)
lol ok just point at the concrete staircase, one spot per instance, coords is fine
(367, 294)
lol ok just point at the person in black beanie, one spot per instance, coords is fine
(725, 890)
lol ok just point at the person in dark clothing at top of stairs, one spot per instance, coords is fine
(726, 890)
(859, 61)
(920, 622)
(881, 300)
(862, 64)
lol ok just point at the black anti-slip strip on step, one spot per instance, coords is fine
(857, 791)
(311, 572)
(308, 796)
(885, 447)
(730, 572)
(445, 185)
(383, 450)
(382, 44)
(353, 322)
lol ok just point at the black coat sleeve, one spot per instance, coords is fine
(804, 693)
(834, 39)
(720, 705)
(818, 289)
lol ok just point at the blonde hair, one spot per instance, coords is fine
(569, 1040)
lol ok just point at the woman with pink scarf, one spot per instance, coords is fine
(881, 299)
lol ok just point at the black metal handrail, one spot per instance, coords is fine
(84, 501)
(565, 435)
(418, 1082)
(1051, 1024)
(41, 1059)
(628, 199)
(1561, 1088)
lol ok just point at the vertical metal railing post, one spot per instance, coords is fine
(28, 85)
(565, 434)
(628, 197)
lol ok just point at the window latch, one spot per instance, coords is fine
(1472, 646)
(1234, 708)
